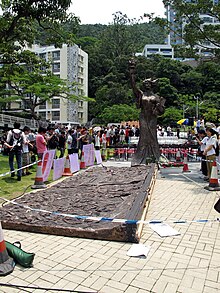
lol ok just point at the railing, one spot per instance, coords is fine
(8, 121)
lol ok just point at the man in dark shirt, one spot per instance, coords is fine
(76, 140)
(62, 143)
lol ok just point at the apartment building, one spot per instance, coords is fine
(70, 63)
(175, 37)
(166, 51)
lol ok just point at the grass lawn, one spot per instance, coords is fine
(10, 187)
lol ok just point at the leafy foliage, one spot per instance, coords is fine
(33, 83)
(195, 17)
(117, 113)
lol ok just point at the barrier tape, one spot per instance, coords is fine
(24, 167)
(193, 156)
(112, 220)
(211, 161)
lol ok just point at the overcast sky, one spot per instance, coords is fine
(100, 11)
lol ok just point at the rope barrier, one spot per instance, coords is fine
(10, 172)
(106, 219)
(193, 156)
(44, 288)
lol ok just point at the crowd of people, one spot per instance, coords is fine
(27, 145)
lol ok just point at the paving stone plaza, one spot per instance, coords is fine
(187, 263)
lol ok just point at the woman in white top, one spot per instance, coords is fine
(209, 150)
(69, 142)
(201, 139)
(97, 140)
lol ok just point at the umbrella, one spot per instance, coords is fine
(184, 121)
(97, 128)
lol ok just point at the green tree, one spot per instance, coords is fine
(171, 115)
(118, 113)
(212, 115)
(20, 22)
(167, 91)
(197, 30)
(34, 84)
(192, 81)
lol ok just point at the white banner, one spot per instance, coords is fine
(74, 163)
(89, 154)
(47, 162)
(98, 157)
(58, 167)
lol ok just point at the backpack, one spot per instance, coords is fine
(16, 140)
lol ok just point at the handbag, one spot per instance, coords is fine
(25, 259)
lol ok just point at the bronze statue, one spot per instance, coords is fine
(151, 106)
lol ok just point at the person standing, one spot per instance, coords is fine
(97, 141)
(169, 129)
(112, 134)
(69, 141)
(3, 140)
(202, 139)
(75, 140)
(178, 132)
(52, 139)
(84, 140)
(25, 152)
(41, 142)
(104, 141)
(15, 140)
(209, 150)
(62, 143)
(108, 136)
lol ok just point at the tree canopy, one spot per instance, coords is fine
(198, 23)
(32, 83)
(23, 23)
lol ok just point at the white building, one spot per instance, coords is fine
(70, 63)
(166, 51)
(175, 37)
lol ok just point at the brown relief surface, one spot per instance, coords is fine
(98, 192)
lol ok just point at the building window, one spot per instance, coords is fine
(80, 103)
(42, 115)
(166, 50)
(42, 106)
(26, 104)
(81, 92)
(80, 69)
(56, 67)
(55, 115)
(152, 50)
(56, 55)
(43, 56)
(80, 80)
(55, 103)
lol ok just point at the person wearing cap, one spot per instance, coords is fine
(209, 150)
(15, 140)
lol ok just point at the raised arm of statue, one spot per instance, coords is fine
(137, 92)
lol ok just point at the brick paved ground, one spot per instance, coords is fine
(188, 263)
